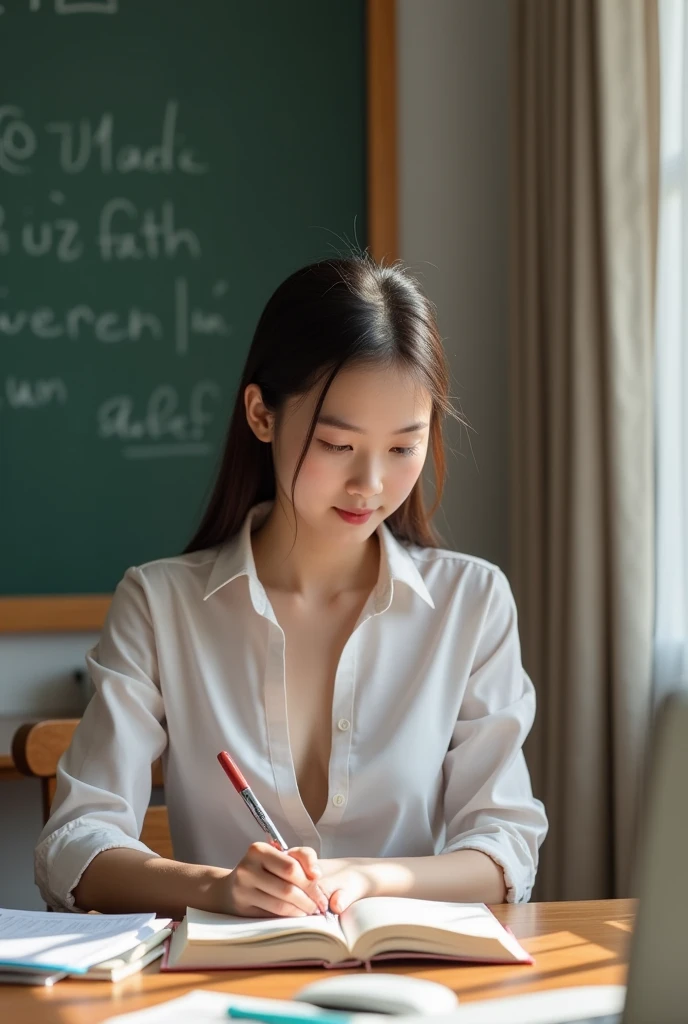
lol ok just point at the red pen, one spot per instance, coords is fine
(254, 805)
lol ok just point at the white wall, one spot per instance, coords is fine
(453, 101)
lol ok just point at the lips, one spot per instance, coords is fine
(355, 518)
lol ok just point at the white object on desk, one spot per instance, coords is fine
(40, 979)
(70, 942)
(202, 1007)
(379, 993)
(559, 1006)
(575, 1005)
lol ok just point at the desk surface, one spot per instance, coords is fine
(573, 943)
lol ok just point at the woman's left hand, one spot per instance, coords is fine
(345, 880)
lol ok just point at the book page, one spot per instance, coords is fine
(69, 942)
(225, 929)
(205, 940)
(386, 924)
(390, 911)
(120, 969)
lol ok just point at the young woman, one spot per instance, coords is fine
(368, 683)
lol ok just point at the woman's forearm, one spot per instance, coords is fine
(130, 881)
(464, 876)
(124, 881)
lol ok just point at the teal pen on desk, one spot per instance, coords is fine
(268, 1017)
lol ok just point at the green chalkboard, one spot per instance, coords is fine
(164, 164)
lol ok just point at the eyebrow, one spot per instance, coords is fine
(334, 421)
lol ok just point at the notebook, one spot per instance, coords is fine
(37, 941)
(381, 927)
(45, 979)
(110, 970)
(131, 962)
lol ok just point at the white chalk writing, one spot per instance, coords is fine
(162, 419)
(73, 230)
(72, 7)
(82, 322)
(21, 393)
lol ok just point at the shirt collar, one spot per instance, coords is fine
(235, 558)
(396, 566)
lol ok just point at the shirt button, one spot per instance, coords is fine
(338, 799)
(343, 724)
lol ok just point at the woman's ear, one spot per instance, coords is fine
(260, 419)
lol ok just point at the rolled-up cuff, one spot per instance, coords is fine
(518, 880)
(61, 859)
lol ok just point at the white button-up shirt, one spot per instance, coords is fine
(430, 710)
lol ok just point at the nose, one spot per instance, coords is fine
(366, 481)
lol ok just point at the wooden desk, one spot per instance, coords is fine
(573, 943)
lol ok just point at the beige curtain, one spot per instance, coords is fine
(584, 200)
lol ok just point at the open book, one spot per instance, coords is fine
(381, 927)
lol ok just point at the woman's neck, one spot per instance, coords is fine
(311, 565)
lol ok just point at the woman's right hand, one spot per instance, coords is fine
(268, 882)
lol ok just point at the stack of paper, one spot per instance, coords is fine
(40, 948)
(204, 1007)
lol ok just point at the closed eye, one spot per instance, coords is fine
(347, 447)
(335, 447)
(406, 451)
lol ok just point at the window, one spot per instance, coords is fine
(671, 627)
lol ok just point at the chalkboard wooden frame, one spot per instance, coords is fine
(86, 612)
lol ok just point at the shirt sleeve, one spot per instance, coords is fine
(489, 804)
(104, 778)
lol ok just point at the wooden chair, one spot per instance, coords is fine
(38, 746)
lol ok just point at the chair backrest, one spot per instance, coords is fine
(38, 746)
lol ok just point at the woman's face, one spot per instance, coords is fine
(367, 452)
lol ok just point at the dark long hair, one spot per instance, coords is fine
(330, 314)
